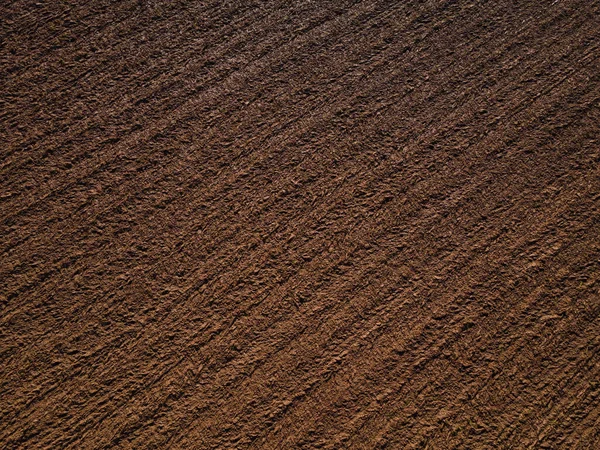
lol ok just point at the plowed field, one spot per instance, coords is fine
(300, 224)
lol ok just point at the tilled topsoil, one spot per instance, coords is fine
(300, 224)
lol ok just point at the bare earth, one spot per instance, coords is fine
(300, 224)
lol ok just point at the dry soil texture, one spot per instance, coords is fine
(300, 224)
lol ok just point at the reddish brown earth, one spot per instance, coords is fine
(295, 225)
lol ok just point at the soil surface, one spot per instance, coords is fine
(295, 225)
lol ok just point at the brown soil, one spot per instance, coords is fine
(294, 225)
